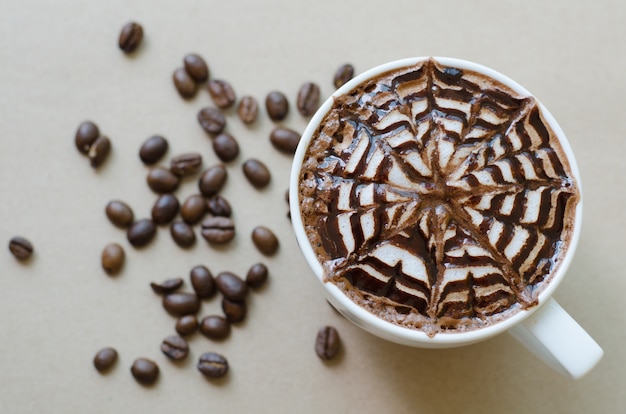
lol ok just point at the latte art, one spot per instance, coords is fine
(437, 198)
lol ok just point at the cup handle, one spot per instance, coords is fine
(557, 339)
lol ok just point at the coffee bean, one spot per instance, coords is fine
(257, 275)
(141, 232)
(145, 371)
(99, 151)
(196, 67)
(231, 286)
(265, 240)
(174, 347)
(153, 149)
(167, 287)
(212, 180)
(327, 343)
(185, 85)
(119, 213)
(193, 209)
(165, 208)
(187, 325)
(105, 359)
(130, 37)
(202, 282)
(186, 164)
(181, 304)
(21, 248)
(161, 180)
(215, 327)
(343, 75)
(235, 311)
(257, 173)
(222, 93)
(277, 105)
(308, 99)
(86, 135)
(218, 229)
(248, 110)
(285, 140)
(182, 234)
(213, 365)
(212, 120)
(113, 258)
(218, 206)
(225, 147)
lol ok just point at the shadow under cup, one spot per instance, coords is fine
(381, 327)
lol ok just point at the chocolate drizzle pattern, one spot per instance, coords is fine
(437, 198)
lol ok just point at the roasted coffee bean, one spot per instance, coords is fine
(165, 208)
(202, 282)
(141, 232)
(193, 209)
(167, 287)
(277, 105)
(153, 149)
(308, 99)
(222, 93)
(21, 248)
(327, 343)
(212, 180)
(86, 135)
(235, 311)
(182, 234)
(99, 151)
(161, 180)
(212, 120)
(174, 347)
(145, 371)
(196, 67)
(343, 75)
(265, 240)
(213, 365)
(231, 286)
(248, 110)
(257, 173)
(186, 164)
(185, 85)
(218, 229)
(215, 327)
(113, 258)
(187, 325)
(257, 275)
(105, 359)
(285, 140)
(181, 304)
(119, 213)
(225, 147)
(130, 37)
(218, 206)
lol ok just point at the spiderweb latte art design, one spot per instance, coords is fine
(437, 198)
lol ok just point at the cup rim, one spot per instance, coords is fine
(368, 320)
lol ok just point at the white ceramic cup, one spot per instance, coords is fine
(546, 329)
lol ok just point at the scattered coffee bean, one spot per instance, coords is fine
(218, 206)
(185, 85)
(165, 208)
(231, 286)
(161, 180)
(196, 67)
(181, 304)
(145, 371)
(105, 359)
(153, 149)
(130, 37)
(218, 229)
(308, 99)
(186, 164)
(174, 347)
(193, 209)
(235, 311)
(277, 105)
(222, 93)
(343, 75)
(213, 365)
(86, 135)
(265, 240)
(21, 248)
(182, 234)
(285, 140)
(119, 213)
(167, 287)
(212, 120)
(215, 327)
(99, 151)
(257, 275)
(187, 325)
(202, 282)
(225, 147)
(212, 180)
(327, 343)
(113, 258)
(257, 173)
(141, 232)
(248, 110)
